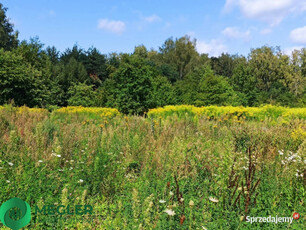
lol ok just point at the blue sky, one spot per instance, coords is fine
(233, 26)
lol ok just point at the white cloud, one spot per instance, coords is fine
(212, 48)
(234, 32)
(117, 27)
(298, 35)
(270, 11)
(289, 50)
(153, 18)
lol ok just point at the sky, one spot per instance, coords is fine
(232, 26)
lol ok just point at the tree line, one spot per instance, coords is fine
(176, 73)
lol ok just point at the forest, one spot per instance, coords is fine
(38, 76)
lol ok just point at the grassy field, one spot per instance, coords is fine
(178, 167)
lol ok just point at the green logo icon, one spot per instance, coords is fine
(15, 213)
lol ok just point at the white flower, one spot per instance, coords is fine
(170, 212)
(81, 181)
(61, 170)
(171, 193)
(182, 199)
(280, 152)
(245, 168)
(162, 201)
(10, 164)
(71, 168)
(212, 199)
(58, 155)
(191, 203)
(40, 161)
(204, 228)
(8, 181)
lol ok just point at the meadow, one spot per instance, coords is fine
(176, 167)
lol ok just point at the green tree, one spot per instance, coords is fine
(20, 81)
(68, 74)
(53, 54)
(215, 90)
(81, 94)
(8, 38)
(203, 87)
(270, 69)
(162, 92)
(129, 88)
(141, 51)
(243, 83)
(96, 65)
(225, 64)
(180, 54)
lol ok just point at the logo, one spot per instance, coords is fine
(296, 215)
(15, 213)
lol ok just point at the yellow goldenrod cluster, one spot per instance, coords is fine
(224, 113)
(298, 133)
(24, 109)
(103, 112)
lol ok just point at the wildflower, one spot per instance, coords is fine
(10, 164)
(280, 152)
(240, 188)
(191, 203)
(182, 199)
(8, 181)
(212, 199)
(61, 170)
(40, 161)
(171, 193)
(204, 228)
(81, 181)
(170, 212)
(162, 201)
(58, 155)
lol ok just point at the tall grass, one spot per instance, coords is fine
(162, 172)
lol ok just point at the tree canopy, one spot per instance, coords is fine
(176, 73)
